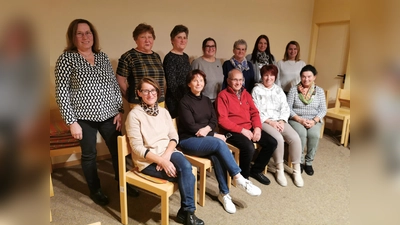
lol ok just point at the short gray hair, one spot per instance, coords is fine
(239, 42)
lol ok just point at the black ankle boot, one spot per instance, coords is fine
(191, 219)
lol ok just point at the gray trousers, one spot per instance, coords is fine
(309, 137)
(290, 136)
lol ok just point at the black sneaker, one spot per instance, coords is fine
(309, 170)
(192, 219)
(181, 216)
(260, 177)
(99, 198)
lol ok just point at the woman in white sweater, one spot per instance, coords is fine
(270, 101)
(289, 68)
(153, 139)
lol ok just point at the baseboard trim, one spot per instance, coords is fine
(78, 162)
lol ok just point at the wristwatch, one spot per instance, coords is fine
(121, 110)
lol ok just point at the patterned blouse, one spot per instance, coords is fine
(316, 108)
(86, 92)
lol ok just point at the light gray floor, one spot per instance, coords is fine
(324, 199)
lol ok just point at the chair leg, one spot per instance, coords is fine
(51, 187)
(343, 131)
(123, 203)
(164, 209)
(346, 139)
(202, 190)
(228, 180)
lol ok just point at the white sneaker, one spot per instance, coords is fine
(226, 201)
(249, 187)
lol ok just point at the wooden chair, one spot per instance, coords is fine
(323, 124)
(164, 190)
(341, 111)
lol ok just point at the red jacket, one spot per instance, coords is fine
(234, 114)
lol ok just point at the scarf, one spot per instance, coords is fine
(262, 58)
(240, 66)
(151, 111)
(306, 97)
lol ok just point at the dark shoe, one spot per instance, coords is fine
(191, 219)
(131, 191)
(301, 167)
(99, 197)
(188, 218)
(181, 216)
(260, 177)
(309, 170)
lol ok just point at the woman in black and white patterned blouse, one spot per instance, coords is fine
(89, 99)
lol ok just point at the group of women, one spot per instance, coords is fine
(89, 97)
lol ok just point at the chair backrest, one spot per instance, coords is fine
(342, 98)
(123, 146)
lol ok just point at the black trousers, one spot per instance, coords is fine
(247, 150)
(89, 152)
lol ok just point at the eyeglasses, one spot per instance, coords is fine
(236, 80)
(147, 92)
(210, 46)
(87, 34)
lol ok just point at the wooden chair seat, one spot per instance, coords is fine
(341, 111)
(164, 190)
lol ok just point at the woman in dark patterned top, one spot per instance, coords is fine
(140, 62)
(89, 99)
(176, 68)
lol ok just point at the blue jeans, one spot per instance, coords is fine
(89, 152)
(247, 150)
(218, 152)
(185, 179)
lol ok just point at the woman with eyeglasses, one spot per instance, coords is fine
(197, 121)
(176, 67)
(89, 99)
(239, 61)
(211, 66)
(261, 56)
(153, 139)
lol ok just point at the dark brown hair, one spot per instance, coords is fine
(193, 73)
(207, 40)
(179, 29)
(143, 28)
(71, 36)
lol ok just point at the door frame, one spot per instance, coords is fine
(314, 42)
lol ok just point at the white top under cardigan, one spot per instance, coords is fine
(271, 102)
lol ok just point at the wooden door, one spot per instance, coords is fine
(330, 55)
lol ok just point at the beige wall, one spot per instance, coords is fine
(225, 21)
